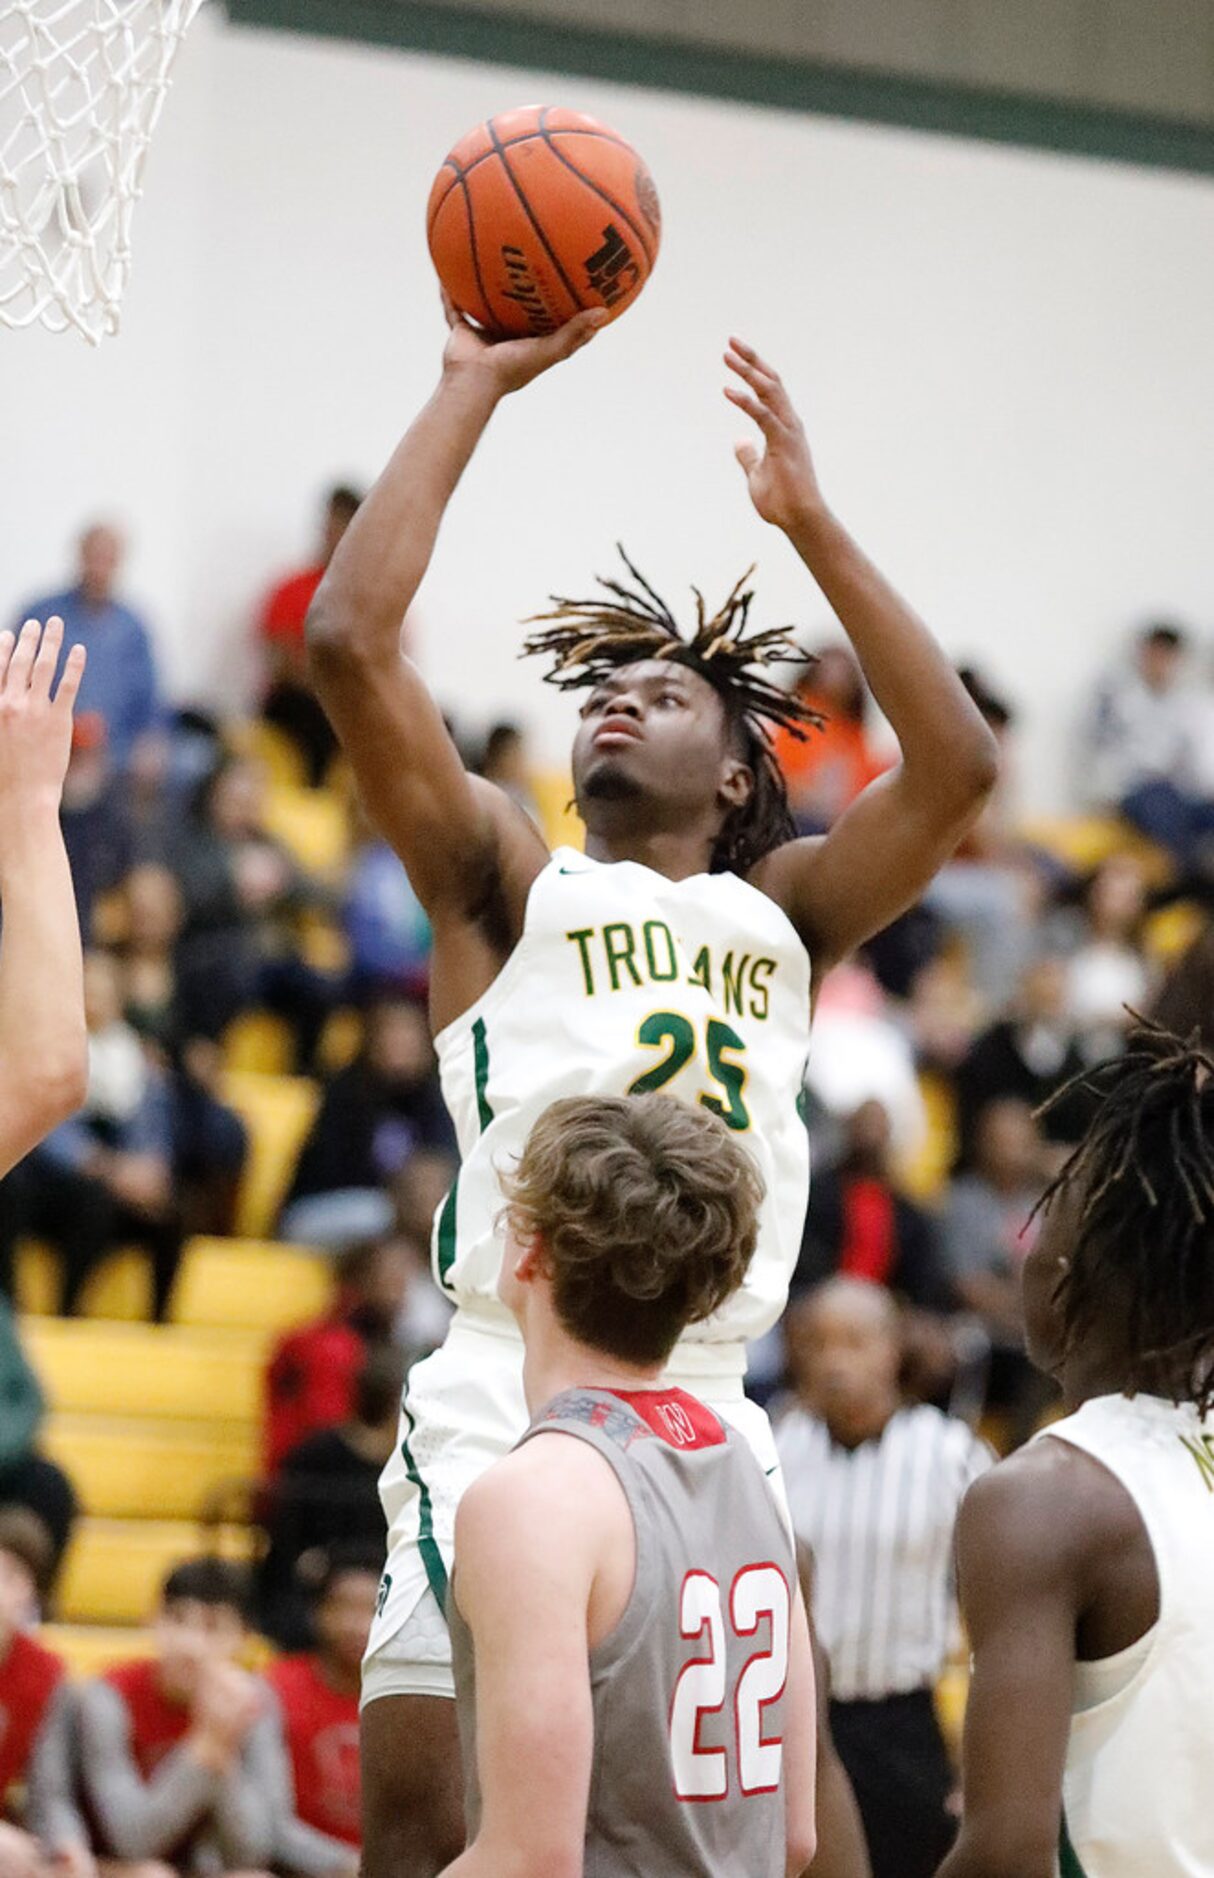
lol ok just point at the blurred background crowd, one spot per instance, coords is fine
(261, 1070)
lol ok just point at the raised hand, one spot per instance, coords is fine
(35, 728)
(781, 477)
(512, 363)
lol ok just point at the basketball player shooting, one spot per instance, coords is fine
(43, 1049)
(1084, 1560)
(674, 954)
(583, 1565)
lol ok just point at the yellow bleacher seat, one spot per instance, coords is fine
(147, 1369)
(36, 1280)
(120, 1287)
(1085, 842)
(278, 1112)
(1172, 930)
(146, 1468)
(259, 1043)
(312, 824)
(273, 749)
(561, 823)
(114, 1567)
(250, 1285)
(924, 1175)
(88, 1649)
(952, 1691)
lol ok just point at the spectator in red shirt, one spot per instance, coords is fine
(318, 1696)
(312, 1372)
(828, 769)
(30, 1680)
(180, 1754)
(290, 703)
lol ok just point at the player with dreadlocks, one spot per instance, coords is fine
(1085, 1560)
(674, 954)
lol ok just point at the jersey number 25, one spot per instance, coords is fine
(702, 1773)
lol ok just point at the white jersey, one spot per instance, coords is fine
(625, 981)
(1136, 1793)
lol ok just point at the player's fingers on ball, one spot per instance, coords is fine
(585, 325)
(47, 658)
(7, 641)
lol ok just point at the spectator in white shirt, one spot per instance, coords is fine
(1139, 749)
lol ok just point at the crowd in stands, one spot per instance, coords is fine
(942, 1097)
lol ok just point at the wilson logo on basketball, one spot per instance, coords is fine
(678, 1424)
(613, 271)
(524, 291)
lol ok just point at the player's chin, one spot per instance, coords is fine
(610, 778)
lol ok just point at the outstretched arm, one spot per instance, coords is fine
(882, 852)
(460, 839)
(42, 1035)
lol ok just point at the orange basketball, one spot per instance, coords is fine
(539, 213)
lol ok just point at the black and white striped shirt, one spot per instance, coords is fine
(879, 1519)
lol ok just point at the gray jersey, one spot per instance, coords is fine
(688, 1689)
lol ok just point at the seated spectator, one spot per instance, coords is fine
(861, 1054)
(327, 1491)
(30, 1678)
(1137, 752)
(504, 761)
(179, 1753)
(1108, 974)
(829, 769)
(1186, 999)
(119, 685)
(290, 702)
(1026, 1056)
(385, 925)
(988, 893)
(103, 1179)
(311, 1375)
(874, 1487)
(28, 1481)
(97, 830)
(243, 896)
(988, 1230)
(860, 1226)
(318, 1697)
(374, 1115)
(210, 1141)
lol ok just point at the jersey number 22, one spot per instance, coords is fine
(702, 1773)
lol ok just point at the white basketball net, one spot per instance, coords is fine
(81, 87)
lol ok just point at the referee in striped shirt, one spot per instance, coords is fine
(874, 1486)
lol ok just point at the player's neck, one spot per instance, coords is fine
(555, 1362)
(678, 856)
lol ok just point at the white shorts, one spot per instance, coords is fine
(463, 1409)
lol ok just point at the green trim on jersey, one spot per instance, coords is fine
(480, 1051)
(1068, 1858)
(427, 1544)
(448, 1239)
(446, 1234)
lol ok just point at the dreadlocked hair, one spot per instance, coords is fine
(1145, 1233)
(587, 640)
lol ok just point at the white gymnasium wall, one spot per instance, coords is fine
(1004, 359)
